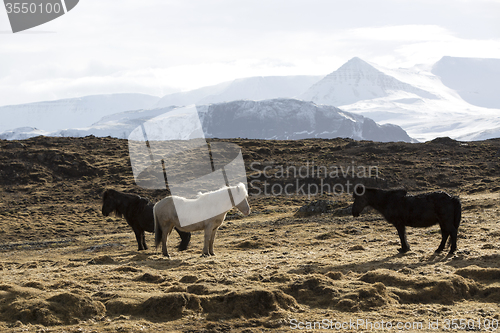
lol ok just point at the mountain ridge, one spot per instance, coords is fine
(71, 112)
(424, 104)
(357, 80)
(278, 119)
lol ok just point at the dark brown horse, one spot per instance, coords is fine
(420, 211)
(138, 213)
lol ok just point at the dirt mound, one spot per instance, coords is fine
(34, 284)
(367, 298)
(101, 260)
(198, 289)
(323, 206)
(235, 304)
(330, 291)
(478, 273)
(247, 304)
(314, 290)
(188, 279)
(29, 306)
(127, 269)
(419, 289)
(315, 207)
(393, 279)
(151, 278)
(445, 141)
(169, 307)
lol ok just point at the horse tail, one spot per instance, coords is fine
(457, 212)
(158, 229)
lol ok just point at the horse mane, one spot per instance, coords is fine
(397, 191)
(239, 187)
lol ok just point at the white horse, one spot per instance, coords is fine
(166, 216)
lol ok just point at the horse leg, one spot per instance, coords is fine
(444, 238)
(206, 244)
(212, 239)
(453, 235)
(139, 237)
(402, 236)
(185, 238)
(164, 239)
(144, 240)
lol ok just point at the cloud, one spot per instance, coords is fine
(157, 46)
(402, 33)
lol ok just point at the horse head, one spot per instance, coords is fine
(360, 200)
(109, 203)
(243, 206)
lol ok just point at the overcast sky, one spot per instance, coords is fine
(161, 46)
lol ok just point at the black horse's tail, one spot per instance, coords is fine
(457, 212)
(158, 229)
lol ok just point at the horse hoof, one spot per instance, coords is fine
(205, 255)
(403, 250)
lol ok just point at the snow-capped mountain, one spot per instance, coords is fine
(414, 99)
(253, 88)
(357, 80)
(51, 116)
(22, 133)
(476, 80)
(291, 119)
(266, 119)
(444, 99)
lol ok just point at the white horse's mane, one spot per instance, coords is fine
(240, 186)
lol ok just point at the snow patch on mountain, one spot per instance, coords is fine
(291, 119)
(476, 80)
(413, 98)
(69, 113)
(22, 133)
(357, 80)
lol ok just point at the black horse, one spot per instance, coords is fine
(138, 212)
(423, 210)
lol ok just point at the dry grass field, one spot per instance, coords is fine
(66, 268)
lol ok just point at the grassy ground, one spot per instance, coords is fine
(66, 268)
